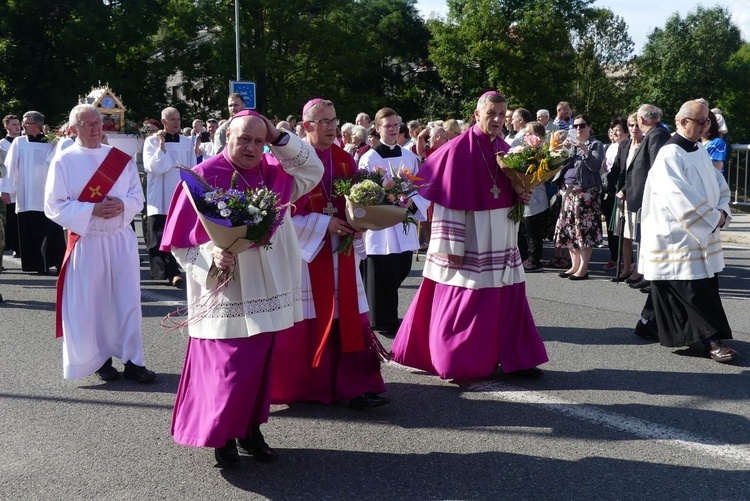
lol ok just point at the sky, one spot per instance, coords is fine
(641, 16)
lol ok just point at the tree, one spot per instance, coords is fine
(52, 52)
(687, 59)
(361, 55)
(521, 48)
(735, 99)
(603, 50)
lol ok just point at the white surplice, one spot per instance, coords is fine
(27, 164)
(267, 295)
(162, 177)
(393, 240)
(682, 205)
(101, 309)
(311, 230)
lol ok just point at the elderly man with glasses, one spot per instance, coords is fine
(41, 241)
(331, 356)
(685, 205)
(94, 191)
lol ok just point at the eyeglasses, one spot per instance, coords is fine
(701, 122)
(391, 126)
(89, 125)
(580, 126)
(325, 122)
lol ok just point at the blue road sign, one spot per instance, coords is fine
(246, 89)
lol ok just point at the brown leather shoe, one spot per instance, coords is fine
(721, 353)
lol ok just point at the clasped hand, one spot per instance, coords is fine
(108, 208)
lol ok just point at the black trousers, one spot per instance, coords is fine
(11, 229)
(42, 242)
(383, 275)
(534, 229)
(163, 264)
(613, 241)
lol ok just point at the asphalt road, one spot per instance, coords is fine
(614, 417)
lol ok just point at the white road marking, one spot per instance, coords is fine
(735, 454)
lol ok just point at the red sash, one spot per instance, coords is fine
(94, 191)
(321, 274)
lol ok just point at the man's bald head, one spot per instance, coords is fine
(245, 139)
(692, 119)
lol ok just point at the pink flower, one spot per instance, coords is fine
(532, 140)
(381, 170)
(388, 183)
(515, 150)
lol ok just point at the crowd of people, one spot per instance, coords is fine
(298, 322)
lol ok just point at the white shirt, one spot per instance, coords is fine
(393, 240)
(162, 176)
(27, 165)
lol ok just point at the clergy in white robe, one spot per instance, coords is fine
(41, 241)
(224, 389)
(390, 251)
(470, 312)
(99, 296)
(333, 355)
(163, 152)
(12, 125)
(685, 203)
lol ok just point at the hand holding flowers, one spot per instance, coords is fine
(532, 163)
(376, 200)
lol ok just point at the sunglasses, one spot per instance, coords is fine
(580, 126)
(701, 122)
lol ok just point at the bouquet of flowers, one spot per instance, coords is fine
(531, 164)
(235, 220)
(376, 200)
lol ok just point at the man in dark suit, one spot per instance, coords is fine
(654, 137)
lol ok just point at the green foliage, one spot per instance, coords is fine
(522, 49)
(363, 55)
(735, 98)
(52, 52)
(602, 53)
(687, 59)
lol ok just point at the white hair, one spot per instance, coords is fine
(79, 110)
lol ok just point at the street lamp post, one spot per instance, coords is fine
(237, 35)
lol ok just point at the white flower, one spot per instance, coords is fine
(221, 205)
(225, 212)
(257, 219)
(252, 210)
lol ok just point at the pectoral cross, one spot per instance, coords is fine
(495, 190)
(330, 209)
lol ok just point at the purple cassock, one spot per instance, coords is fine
(467, 319)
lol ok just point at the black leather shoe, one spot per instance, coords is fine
(719, 352)
(631, 281)
(108, 373)
(138, 373)
(639, 284)
(646, 289)
(227, 456)
(564, 274)
(576, 277)
(646, 331)
(367, 401)
(256, 446)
